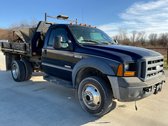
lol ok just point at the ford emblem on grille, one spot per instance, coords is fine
(157, 67)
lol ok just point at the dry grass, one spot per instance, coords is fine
(165, 63)
(5, 34)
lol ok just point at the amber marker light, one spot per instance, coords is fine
(120, 70)
(129, 73)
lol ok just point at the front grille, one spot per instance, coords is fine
(151, 67)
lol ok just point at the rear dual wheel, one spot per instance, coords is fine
(18, 71)
(28, 68)
(21, 70)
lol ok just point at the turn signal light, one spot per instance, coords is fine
(129, 73)
(120, 70)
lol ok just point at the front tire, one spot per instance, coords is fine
(18, 71)
(95, 96)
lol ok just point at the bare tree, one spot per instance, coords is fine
(153, 39)
(163, 39)
(133, 37)
(123, 34)
(24, 24)
(140, 37)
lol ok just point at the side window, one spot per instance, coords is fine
(58, 32)
(51, 39)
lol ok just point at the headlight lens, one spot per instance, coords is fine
(130, 67)
(126, 66)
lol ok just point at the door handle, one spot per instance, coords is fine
(45, 51)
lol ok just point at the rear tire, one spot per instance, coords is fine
(18, 71)
(28, 68)
(95, 96)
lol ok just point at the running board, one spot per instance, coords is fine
(58, 81)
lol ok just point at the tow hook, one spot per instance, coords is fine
(157, 88)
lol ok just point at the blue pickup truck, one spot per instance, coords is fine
(86, 59)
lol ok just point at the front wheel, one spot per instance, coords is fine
(95, 96)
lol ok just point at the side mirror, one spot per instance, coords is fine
(115, 41)
(57, 42)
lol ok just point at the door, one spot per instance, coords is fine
(59, 60)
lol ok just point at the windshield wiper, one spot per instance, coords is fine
(96, 42)
(90, 41)
(106, 43)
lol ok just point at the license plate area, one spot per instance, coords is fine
(154, 89)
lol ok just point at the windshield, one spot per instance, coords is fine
(89, 35)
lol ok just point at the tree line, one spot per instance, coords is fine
(142, 39)
(134, 38)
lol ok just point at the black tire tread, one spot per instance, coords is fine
(22, 71)
(28, 68)
(107, 92)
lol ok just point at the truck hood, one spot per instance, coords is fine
(120, 52)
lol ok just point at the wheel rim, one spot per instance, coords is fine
(91, 97)
(15, 71)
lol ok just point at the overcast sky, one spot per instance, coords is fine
(150, 16)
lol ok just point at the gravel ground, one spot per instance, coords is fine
(39, 103)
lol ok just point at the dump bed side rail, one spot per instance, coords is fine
(16, 48)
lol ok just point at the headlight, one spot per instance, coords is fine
(130, 67)
(126, 70)
(126, 66)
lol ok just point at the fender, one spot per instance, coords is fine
(97, 63)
